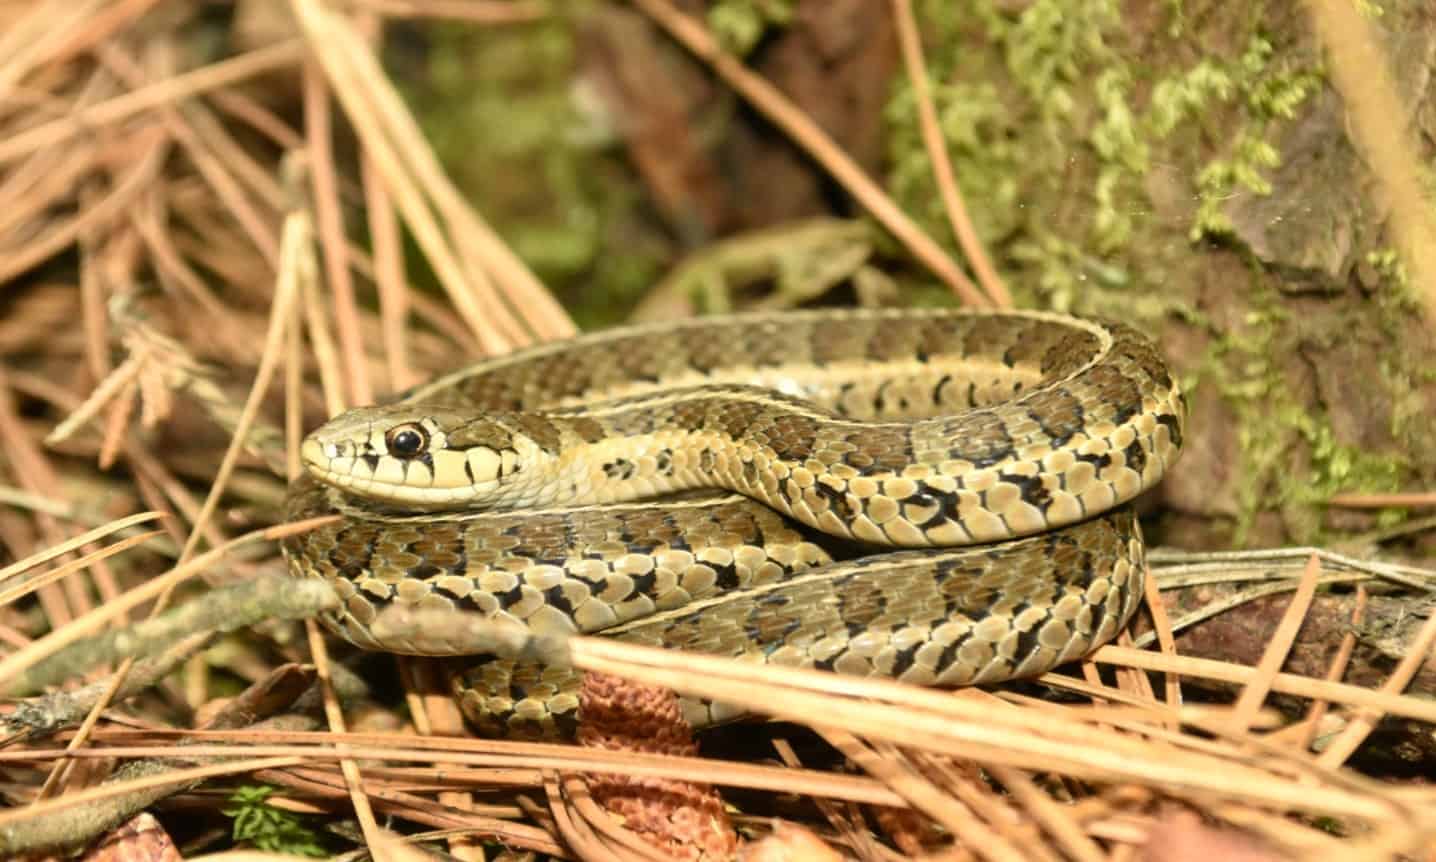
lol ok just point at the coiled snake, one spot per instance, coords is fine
(1023, 434)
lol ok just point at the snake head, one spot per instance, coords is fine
(425, 456)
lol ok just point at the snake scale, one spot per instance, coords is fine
(938, 496)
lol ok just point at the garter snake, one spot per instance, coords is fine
(970, 471)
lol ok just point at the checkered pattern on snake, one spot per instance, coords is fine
(1023, 434)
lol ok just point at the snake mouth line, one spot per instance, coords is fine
(344, 482)
(420, 500)
(316, 461)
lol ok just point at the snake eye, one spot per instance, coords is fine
(407, 440)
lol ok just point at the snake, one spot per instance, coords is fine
(934, 495)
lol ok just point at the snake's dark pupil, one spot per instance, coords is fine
(407, 443)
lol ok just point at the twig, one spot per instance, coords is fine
(1365, 721)
(911, 43)
(1384, 501)
(388, 273)
(13, 666)
(338, 48)
(55, 574)
(1377, 123)
(276, 597)
(210, 77)
(38, 37)
(815, 142)
(1181, 568)
(38, 827)
(1286, 683)
(335, 718)
(44, 715)
(477, 11)
(65, 547)
(330, 224)
(1311, 724)
(123, 194)
(1278, 646)
(108, 21)
(215, 172)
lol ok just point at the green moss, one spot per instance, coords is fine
(1090, 170)
(1049, 57)
(1050, 51)
(740, 24)
(270, 829)
(1053, 133)
(1123, 137)
(1397, 295)
(975, 124)
(1064, 271)
(1056, 137)
(1335, 467)
(1272, 89)
(1123, 152)
(1175, 100)
(536, 153)
(1292, 461)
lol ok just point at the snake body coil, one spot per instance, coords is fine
(917, 429)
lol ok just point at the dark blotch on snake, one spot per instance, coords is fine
(1173, 426)
(1136, 456)
(982, 438)
(1033, 491)
(1058, 413)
